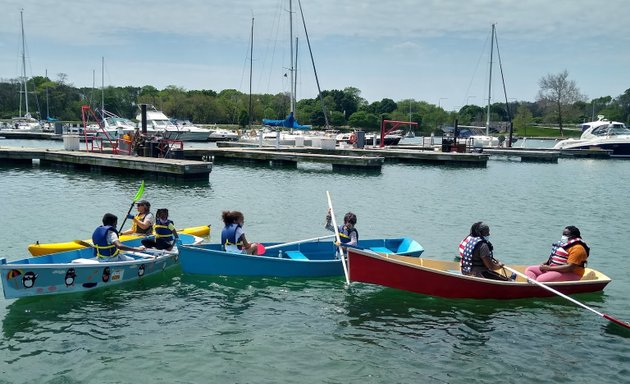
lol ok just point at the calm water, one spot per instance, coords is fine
(177, 328)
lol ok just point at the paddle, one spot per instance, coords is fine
(136, 198)
(261, 248)
(538, 283)
(334, 222)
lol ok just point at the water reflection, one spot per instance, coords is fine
(89, 312)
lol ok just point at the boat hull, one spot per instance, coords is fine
(319, 259)
(38, 249)
(619, 148)
(443, 279)
(78, 270)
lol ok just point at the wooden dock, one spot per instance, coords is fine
(98, 162)
(288, 157)
(389, 154)
(19, 135)
(526, 156)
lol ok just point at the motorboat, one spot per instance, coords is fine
(392, 138)
(191, 131)
(271, 136)
(601, 134)
(162, 125)
(220, 134)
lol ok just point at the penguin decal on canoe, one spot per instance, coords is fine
(28, 280)
(70, 276)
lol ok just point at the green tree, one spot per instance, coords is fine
(365, 120)
(522, 119)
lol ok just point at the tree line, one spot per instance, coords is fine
(559, 102)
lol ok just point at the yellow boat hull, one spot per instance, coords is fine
(45, 249)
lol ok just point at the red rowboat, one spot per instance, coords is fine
(443, 278)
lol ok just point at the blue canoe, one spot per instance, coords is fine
(78, 270)
(306, 259)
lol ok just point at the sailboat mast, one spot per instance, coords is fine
(291, 69)
(24, 66)
(296, 71)
(103, 88)
(251, 63)
(490, 82)
(47, 109)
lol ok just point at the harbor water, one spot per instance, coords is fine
(180, 328)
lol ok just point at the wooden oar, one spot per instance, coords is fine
(538, 283)
(135, 198)
(261, 249)
(341, 253)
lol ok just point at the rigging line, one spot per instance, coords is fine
(247, 56)
(319, 90)
(507, 105)
(274, 28)
(481, 56)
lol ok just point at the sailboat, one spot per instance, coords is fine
(26, 122)
(486, 140)
(273, 127)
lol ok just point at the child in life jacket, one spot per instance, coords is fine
(164, 232)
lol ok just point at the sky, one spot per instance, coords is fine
(426, 50)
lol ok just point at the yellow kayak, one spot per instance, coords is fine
(38, 249)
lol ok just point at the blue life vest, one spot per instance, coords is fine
(345, 235)
(102, 249)
(467, 261)
(228, 237)
(162, 230)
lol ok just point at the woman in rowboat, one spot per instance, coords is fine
(566, 261)
(233, 237)
(142, 223)
(477, 258)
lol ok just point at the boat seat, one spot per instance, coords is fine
(381, 249)
(85, 261)
(296, 255)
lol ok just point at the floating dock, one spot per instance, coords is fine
(97, 162)
(340, 156)
(288, 157)
(28, 135)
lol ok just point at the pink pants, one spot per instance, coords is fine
(535, 273)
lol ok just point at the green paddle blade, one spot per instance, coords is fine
(140, 192)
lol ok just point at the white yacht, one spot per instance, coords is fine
(161, 124)
(220, 134)
(602, 134)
